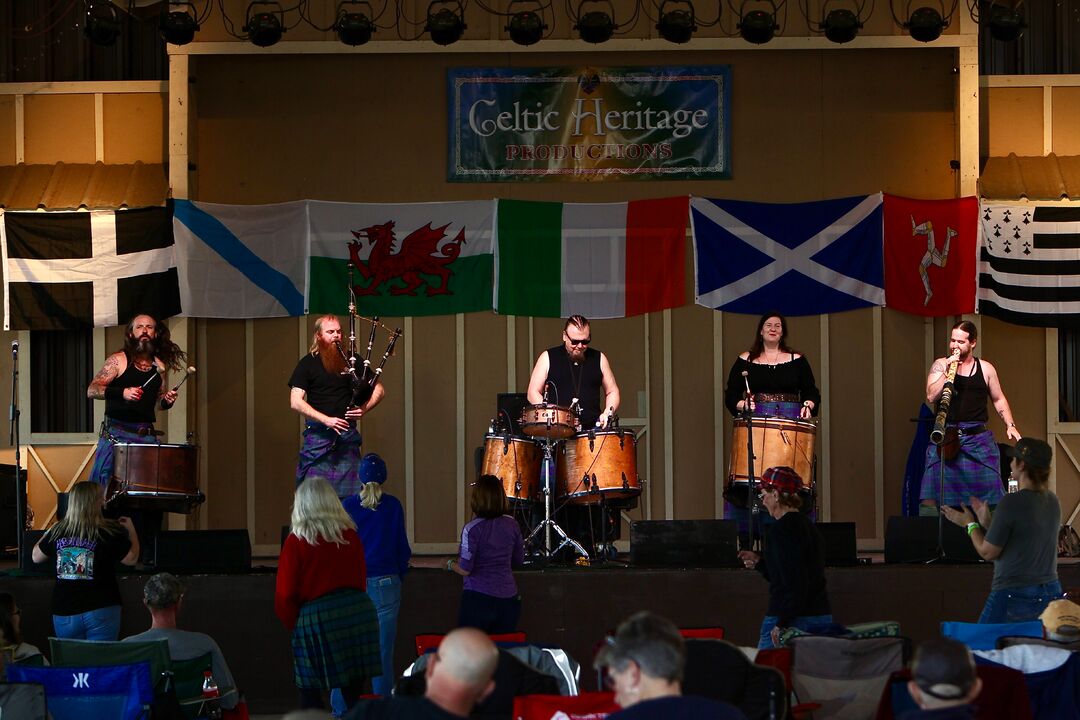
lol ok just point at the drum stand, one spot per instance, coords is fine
(753, 502)
(547, 479)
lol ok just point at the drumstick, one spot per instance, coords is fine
(190, 371)
(746, 379)
(147, 381)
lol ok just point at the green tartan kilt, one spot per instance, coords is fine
(336, 641)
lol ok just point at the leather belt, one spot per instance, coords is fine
(970, 430)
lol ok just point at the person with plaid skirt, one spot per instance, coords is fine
(320, 599)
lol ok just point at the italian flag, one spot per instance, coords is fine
(600, 260)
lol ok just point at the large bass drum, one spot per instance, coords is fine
(777, 442)
(516, 462)
(598, 464)
(155, 476)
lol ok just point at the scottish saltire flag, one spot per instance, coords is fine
(408, 259)
(1029, 264)
(70, 270)
(795, 259)
(241, 261)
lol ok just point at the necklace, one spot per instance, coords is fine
(143, 365)
(772, 363)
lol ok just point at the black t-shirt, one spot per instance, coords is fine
(142, 410)
(684, 707)
(399, 708)
(584, 381)
(85, 569)
(329, 394)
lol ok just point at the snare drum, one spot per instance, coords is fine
(777, 442)
(602, 463)
(547, 420)
(516, 462)
(155, 476)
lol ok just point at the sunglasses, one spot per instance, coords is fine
(572, 341)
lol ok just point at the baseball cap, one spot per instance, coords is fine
(1061, 617)
(372, 469)
(1032, 452)
(783, 478)
(944, 669)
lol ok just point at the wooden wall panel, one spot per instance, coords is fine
(1068, 474)
(7, 130)
(134, 128)
(1014, 121)
(59, 128)
(224, 444)
(692, 394)
(1019, 354)
(904, 374)
(1066, 120)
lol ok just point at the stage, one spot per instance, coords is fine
(570, 607)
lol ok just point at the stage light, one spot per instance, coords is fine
(1006, 23)
(102, 23)
(177, 25)
(595, 26)
(757, 27)
(354, 27)
(526, 27)
(841, 26)
(264, 28)
(677, 26)
(925, 25)
(446, 25)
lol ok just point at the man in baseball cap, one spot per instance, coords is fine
(943, 677)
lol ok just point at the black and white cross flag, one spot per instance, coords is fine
(67, 270)
(1029, 264)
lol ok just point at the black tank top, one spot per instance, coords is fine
(141, 411)
(969, 397)
(571, 380)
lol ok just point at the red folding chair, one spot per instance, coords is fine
(591, 705)
(702, 633)
(780, 659)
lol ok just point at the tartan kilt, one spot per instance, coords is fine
(336, 641)
(975, 471)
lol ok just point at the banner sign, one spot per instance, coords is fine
(588, 123)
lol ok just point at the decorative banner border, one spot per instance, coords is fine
(589, 123)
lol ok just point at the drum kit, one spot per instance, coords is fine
(553, 461)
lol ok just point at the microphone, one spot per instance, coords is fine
(14, 346)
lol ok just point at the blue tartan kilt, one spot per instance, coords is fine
(975, 471)
(336, 641)
(333, 457)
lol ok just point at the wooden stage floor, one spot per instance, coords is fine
(569, 607)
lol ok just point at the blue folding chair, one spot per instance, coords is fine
(984, 636)
(122, 692)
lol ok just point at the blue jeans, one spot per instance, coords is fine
(385, 593)
(100, 624)
(1019, 603)
(807, 623)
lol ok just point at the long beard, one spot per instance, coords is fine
(332, 360)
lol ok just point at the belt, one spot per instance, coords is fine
(970, 430)
(776, 397)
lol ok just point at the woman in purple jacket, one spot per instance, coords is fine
(491, 545)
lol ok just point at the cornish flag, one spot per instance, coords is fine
(1029, 264)
(795, 259)
(68, 270)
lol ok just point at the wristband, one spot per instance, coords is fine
(450, 565)
(972, 527)
(112, 392)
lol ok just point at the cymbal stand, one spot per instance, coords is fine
(547, 479)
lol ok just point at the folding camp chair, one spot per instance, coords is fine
(844, 676)
(548, 707)
(984, 636)
(117, 692)
(66, 652)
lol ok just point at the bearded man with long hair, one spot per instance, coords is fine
(321, 391)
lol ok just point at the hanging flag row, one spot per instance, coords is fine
(1016, 262)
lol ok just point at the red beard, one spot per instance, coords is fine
(332, 359)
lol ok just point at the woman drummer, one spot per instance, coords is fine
(780, 379)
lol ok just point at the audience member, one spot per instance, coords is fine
(163, 596)
(644, 665)
(1061, 621)
(458, 677)
(943, 681)
(85, 548)
(491, 545)
(320, 598)
(11, 643)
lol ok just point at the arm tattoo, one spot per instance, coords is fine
(104, 376)
(937, 367)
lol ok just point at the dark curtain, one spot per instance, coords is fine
(61, 366)
(1068, 374)
(1049, 46)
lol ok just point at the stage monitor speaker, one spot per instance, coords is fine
(915, 540)
(684, 543)
(840, 545)
(9, 509)
(30, 539)
(509, 408)
(203, 551)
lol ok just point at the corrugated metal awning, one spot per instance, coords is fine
(1050, 177)
(66, 186)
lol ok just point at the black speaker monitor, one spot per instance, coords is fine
(915, 540)
(684, 543)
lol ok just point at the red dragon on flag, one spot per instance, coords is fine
(424, 251)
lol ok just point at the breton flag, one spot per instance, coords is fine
(608, 260)
(931, 249)
(241, 261)
(1029, 264)
(72, 270)
(795, 259)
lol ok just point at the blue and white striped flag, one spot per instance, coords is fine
(794, 259)
(241, 261)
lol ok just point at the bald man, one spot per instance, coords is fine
(458, 677)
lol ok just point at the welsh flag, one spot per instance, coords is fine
(408, 259)
(607, 260)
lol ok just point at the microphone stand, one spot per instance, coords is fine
(753, 506)
(20, 488)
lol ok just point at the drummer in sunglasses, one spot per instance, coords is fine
(577, 376)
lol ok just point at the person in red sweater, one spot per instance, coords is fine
(320, 599)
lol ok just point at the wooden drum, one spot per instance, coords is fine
(777, 442)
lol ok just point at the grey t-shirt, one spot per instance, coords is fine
(187, 645)
(1025, 525)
